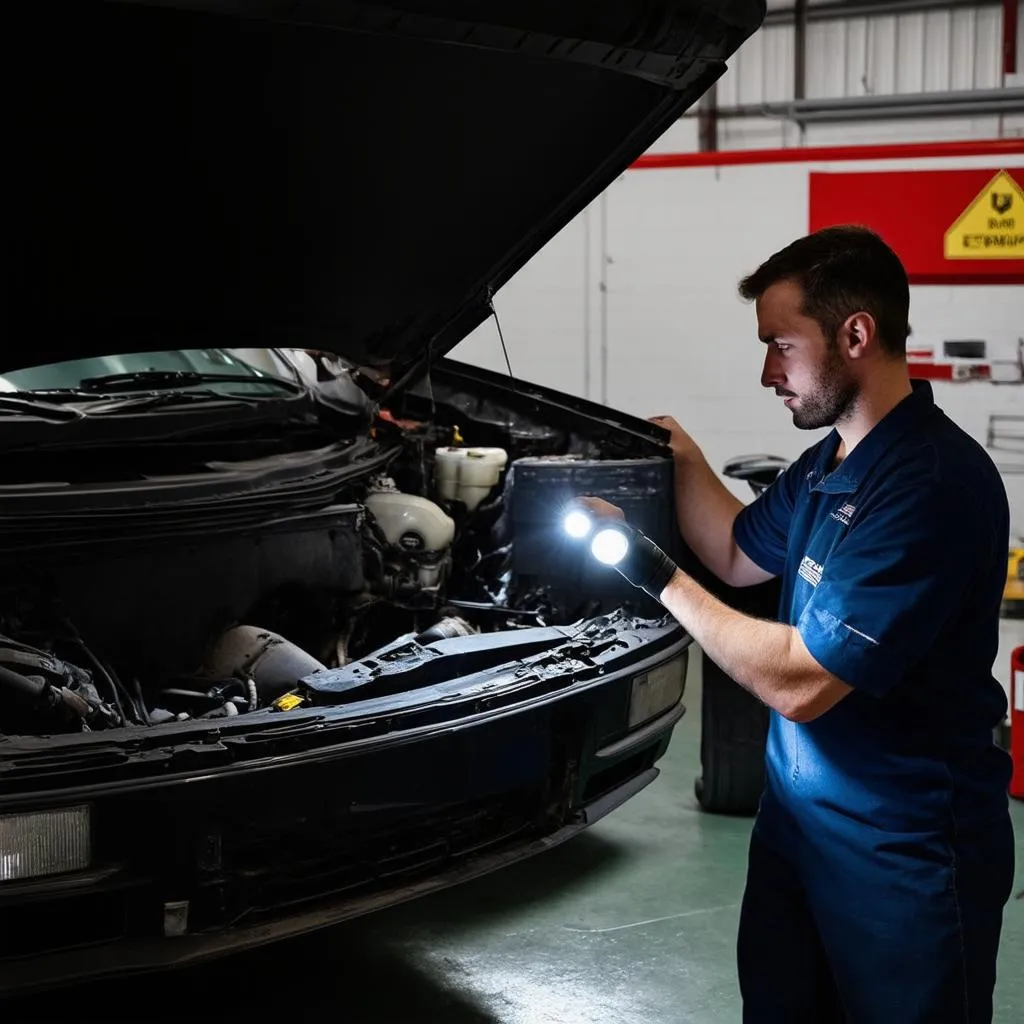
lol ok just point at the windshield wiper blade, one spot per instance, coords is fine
(98, 403)
(109, 405)
(161, 379)
(39, 408)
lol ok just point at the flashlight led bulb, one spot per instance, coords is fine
(609, 546)
(577, 524)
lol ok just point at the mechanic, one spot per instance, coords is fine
(882, 853)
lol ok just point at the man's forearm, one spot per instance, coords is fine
(705, 510)
(767, 658)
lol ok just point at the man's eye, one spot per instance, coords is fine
(781, 348)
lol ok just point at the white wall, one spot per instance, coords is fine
(668, 333)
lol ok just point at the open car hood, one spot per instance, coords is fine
(356, 177)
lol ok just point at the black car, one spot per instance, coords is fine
(289, 626)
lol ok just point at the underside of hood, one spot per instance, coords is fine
(354, 177)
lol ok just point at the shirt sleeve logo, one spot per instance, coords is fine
(810, 571)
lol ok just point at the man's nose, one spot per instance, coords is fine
(771, 373)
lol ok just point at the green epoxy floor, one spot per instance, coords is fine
(632, 923)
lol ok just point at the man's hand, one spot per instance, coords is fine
(601, 509)
(684, 448)
(644, 564)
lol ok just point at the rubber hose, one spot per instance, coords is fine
(447, 629)
(30, 689)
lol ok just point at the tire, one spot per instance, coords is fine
(734, 723)
(734, 727)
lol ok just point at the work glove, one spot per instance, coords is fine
(644, 565)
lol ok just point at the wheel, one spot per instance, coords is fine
(734, 726)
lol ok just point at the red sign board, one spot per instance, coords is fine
(914, 211)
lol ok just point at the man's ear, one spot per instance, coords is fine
(860, 335)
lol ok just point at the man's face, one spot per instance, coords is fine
(804, 367)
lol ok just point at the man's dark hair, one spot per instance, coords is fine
(842, 270)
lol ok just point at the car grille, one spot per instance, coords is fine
(268, 871)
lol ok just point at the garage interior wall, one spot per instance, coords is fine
(938, 48)
(634, 303)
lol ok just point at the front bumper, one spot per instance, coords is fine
(153, 954)
(221, 862)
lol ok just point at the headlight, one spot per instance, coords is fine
(41, 843)
(658, 690)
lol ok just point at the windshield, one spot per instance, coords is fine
(256, 370)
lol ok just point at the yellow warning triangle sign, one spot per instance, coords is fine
(992, 226)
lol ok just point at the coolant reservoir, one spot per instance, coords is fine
(468, 474)
(410, 522)
(446, 471)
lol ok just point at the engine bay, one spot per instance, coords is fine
(438, 522)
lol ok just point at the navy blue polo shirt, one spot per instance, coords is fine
(893, 565)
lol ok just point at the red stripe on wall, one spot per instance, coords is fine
(949, 371)
(804, 154)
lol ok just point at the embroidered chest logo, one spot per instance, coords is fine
(843, 514)
(810, 571)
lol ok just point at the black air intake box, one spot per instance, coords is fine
(538, 490)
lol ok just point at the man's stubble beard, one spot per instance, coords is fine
(833, 396)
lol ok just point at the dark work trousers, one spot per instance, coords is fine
(899, 929)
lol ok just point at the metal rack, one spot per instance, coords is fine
(1006, 434)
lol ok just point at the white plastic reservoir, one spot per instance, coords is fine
(468, 474)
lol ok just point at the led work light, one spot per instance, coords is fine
(614, 543)
(577, 524)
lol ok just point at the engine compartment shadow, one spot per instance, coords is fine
(366, 970)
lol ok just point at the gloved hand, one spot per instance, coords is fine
(644, 564)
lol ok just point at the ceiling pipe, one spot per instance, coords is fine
(902, 112)
(971, 102)
(842, 9)
(943, 97)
